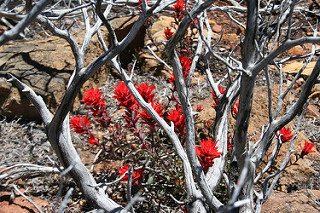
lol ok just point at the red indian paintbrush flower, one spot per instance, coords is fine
(145, 91)
(136, 175)
(236, 108)
(168, 34)
(186, 64)
(124, 97)
(286, 134)
(147, 118)
(208, 124)
(215, 99)
(80, 124)
(178, 7)
(92, 140)
(92, 97)
(306, 149)
(140, 2)
(177, 117)
(207, 152)
(199, 108)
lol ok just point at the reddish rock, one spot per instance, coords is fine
(312, 110)
(215, 27)
(295, 202)
(2, 29)
(315, 94)
(232, 37)
(294, 67)
(297, 50)
(46, 65)
(20, 204)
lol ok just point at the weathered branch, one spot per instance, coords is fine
(14, 32)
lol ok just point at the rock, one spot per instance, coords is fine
(122, 26)
(308, 47)
(215, 27)
(301, 174)
(161, 24)
(315, 94)
(241, 30)
(231, 37)
(294, 67)
(260, 114)
(313, 111)
(311, 33)
(150, 63)
(20, 204)
(37, 64)
(297, 50)
(292, 202)
(46, 65)
(2, 29)
(299, 82)
(158, 28)
(316, 88)
(208, 113)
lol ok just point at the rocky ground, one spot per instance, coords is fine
(38, 64)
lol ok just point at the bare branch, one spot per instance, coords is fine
(35, 11)
(65, 200)
(34, 98)
(27, 198)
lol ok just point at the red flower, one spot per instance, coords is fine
(178, 7)
(92, 140)
(306, 149)
(147, 118)
(92, 97)
(80, 124)
(236, 108)
(208, 124)
(124, 97)
(215, 99)
(229, 146)
(185, 63)
(199, 108)
(167, 33)
(286, 134)
(207, 152)
(145, 91)
(177, 117)
(140, 2)
(136, 175)
(194, 25)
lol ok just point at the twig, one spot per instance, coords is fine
(110, 183)
(159, 59)
(135, 199)
(65, 201)
(27, 198)
(11, 34)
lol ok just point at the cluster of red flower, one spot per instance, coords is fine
(185, 63)
(81, 124)
(307, 148)
(207, 152)
(214, 97)
(286, 135)
(136, 175)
